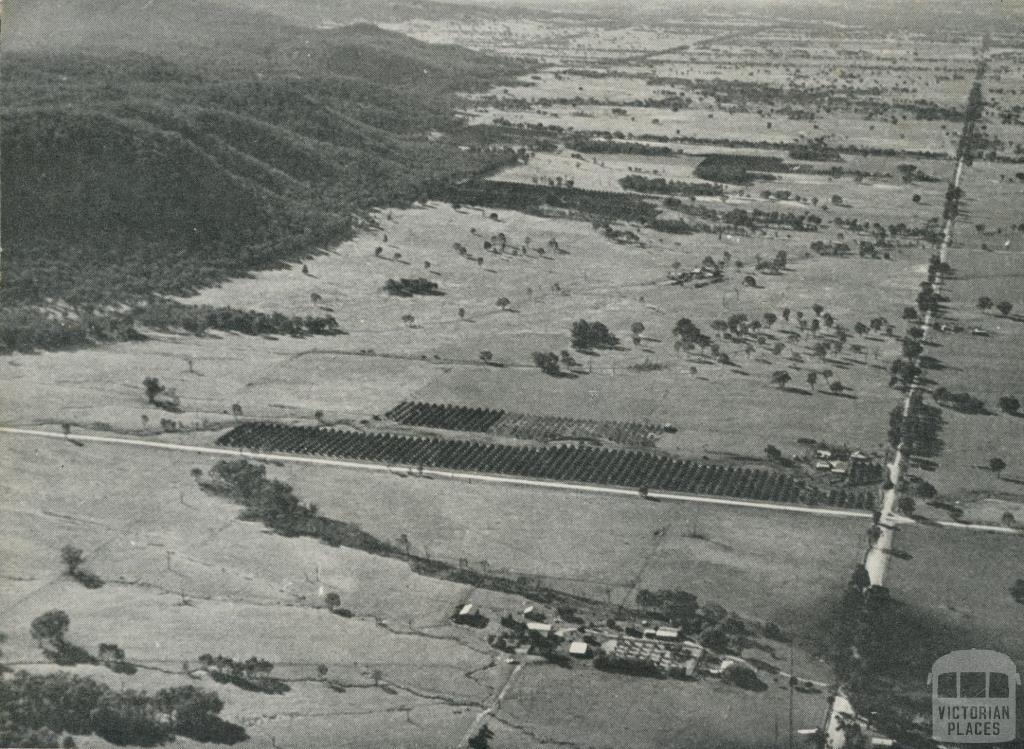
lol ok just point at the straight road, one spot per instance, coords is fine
(466, 476)
(876, 561)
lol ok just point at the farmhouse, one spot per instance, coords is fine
(579, 649)
(540, 628)
(667, 633)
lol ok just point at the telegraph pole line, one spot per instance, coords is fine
(792, 683)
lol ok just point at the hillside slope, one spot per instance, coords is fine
(200, 143)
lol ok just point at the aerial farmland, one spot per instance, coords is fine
(670, 397)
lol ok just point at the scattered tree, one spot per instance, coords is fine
(50, 628)
(482, 738)
(1009, 404)
(73, 558)
(547, 363)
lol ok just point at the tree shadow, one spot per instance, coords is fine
(840, 394)
(214, 730)
(931, 363)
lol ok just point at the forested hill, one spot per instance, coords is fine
(158, 147)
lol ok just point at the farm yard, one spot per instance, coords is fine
(650, 377)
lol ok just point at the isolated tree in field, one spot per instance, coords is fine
(1009, 404)
(482, 738)
(1004, 308)
(773, 453)
(73, 558)
(997, 465)
(770, 318)
(1017, 591)
(818, 309)
(592, 335)
(909, 313)
(786, 313)
(689, 334)
(408, 320)
(462, 313)
(332, 600)
(377, 252)
(812, 379)
(236, 410)
(637, 329)
(905, 505)
(836, 386)
(547, 363)
(985, 303)
(111, 655)
(860, 328)
(50, 628)
(486, 356)
(503, 302)
(153, 388)
(781, 378)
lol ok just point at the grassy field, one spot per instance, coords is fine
(158, 542)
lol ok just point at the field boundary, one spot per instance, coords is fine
(470, 477)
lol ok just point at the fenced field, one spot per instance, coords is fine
(592, 465)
